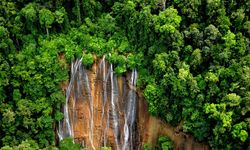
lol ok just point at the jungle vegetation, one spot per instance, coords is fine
(193, 58)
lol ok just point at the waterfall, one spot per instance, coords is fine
(114, 98)
(102, 68)
(98, 112)
(130, 113)
(65, 128)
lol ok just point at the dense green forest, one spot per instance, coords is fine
(193, 59)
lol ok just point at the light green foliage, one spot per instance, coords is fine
(27, 145)
(87, 59)
(106, 148)
(167, 21)
(107, 23)
(154, 95)
(232, 99)
(59, 15)
(196, 58)
(147, 147)
(239, 131)
(211, 77)
(119, 62)
(229, 39)
(183, 74)
(218, 112)
(46, 18)
(160, 62)
(134, 61)
(68, 144)
(8, 116)
(30, 12)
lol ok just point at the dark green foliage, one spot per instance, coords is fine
(163, 143)
(147, 147)
(196, 59)
(46, 18)
(192, 57)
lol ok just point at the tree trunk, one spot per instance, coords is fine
(47, 30)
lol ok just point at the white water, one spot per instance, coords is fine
(130, 113)
(114, 98)
(117, 115)
(102, 68)
(65, 126)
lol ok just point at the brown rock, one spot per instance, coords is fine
(147, 128)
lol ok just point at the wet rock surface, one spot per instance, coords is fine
(106, 110)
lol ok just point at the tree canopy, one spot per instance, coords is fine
(193, 58)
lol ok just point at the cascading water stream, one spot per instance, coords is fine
(114, 98)
(130, 113)
(102, 109)
(90, 97)
(102, 68)
(115, 117)
(65, 127)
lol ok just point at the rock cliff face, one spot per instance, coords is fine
(105, 110)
